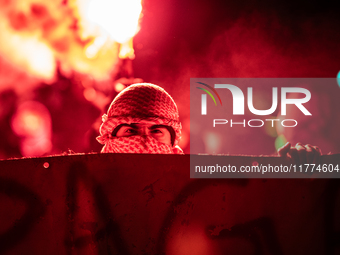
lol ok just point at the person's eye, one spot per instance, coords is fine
(131, 131)
(156, 131)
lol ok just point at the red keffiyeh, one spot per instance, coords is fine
(140, 103)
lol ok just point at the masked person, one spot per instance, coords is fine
(143, 118)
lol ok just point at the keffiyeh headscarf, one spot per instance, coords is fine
(143, 103)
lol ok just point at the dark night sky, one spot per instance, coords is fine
(177, 33)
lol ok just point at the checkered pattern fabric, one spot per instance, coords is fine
(137, 144)
(140, 103)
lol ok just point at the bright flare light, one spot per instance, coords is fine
(119, 18)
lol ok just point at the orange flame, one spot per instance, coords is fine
(83, 36)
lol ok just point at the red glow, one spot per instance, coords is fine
(32, 122)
